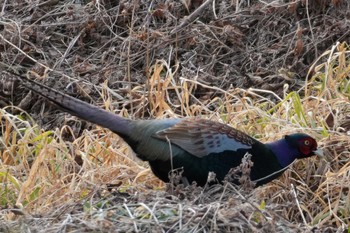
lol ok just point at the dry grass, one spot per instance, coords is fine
(39, 172)
(60, 177)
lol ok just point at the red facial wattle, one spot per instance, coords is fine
(307, 146)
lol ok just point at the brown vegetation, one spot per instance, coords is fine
(268, 68)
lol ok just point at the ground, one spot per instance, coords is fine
(266, 67)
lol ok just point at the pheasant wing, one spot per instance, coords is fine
(202, 137)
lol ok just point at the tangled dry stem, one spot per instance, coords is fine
(234, 63)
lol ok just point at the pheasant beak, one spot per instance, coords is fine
(319, 153)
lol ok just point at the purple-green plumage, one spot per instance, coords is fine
(198, 146)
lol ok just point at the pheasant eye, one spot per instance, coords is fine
(307, 142)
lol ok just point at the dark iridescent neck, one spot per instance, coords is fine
(284, 153)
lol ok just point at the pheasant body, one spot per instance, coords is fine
(198, 146)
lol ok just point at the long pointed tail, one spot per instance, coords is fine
(77, 107)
